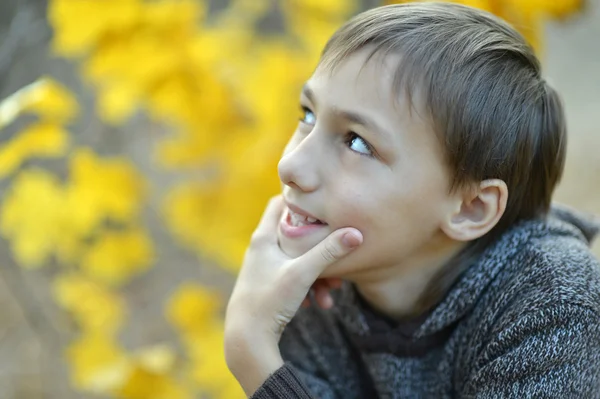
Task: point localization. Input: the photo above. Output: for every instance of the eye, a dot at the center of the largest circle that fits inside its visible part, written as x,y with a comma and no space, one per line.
358,144
308,116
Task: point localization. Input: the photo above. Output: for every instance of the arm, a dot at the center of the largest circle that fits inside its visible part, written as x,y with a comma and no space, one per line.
318,361
289,382
553,352
268,292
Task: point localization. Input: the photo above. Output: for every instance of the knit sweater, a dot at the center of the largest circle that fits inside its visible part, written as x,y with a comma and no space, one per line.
523,321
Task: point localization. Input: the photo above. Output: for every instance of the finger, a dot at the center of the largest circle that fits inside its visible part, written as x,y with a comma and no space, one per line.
320,283
323,298
268,223
334,283
333,248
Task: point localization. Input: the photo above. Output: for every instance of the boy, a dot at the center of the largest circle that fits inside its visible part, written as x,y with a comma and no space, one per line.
421,174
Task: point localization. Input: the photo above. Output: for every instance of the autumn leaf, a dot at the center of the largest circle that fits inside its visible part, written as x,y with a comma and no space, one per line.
31,216
45,140
98,363
79,24
159,358
94,307
142,383
527,16
152,375
102,188
117,102
191,307
208,369
46,98
116,256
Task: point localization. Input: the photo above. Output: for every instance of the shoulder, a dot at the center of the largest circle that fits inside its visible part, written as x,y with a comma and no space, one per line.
554,276
552,271
555,270
540,324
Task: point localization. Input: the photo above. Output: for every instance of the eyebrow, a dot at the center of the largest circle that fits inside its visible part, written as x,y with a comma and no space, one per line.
353,117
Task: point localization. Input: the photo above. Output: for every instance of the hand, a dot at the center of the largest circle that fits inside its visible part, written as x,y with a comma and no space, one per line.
269,291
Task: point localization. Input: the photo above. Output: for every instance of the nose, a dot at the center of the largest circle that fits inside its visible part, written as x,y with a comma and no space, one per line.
298,167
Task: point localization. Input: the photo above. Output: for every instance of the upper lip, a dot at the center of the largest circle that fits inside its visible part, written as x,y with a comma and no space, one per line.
301,211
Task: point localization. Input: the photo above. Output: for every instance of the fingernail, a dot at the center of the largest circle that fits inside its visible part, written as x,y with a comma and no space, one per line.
351,240
327,302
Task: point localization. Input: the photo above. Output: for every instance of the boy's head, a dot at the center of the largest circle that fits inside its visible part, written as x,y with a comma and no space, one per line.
426,126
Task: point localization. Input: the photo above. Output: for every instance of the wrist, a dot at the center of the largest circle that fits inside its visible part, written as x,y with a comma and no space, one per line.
252,359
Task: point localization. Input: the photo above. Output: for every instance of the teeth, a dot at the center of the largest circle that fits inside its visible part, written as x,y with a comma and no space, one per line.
300,220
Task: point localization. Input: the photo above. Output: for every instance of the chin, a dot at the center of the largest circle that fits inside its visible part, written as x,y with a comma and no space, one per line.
293,251
296,248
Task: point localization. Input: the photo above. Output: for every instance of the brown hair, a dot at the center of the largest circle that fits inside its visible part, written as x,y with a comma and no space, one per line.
481,85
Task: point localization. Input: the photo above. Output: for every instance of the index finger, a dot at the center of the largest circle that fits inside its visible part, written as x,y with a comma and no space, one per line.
268,222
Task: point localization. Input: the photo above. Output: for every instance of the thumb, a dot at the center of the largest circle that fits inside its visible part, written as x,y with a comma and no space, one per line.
334,247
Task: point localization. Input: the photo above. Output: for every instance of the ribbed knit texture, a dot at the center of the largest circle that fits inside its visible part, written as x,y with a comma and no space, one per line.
285,383
522,322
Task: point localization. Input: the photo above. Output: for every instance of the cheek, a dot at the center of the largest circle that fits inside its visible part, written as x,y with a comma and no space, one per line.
395,226
351,207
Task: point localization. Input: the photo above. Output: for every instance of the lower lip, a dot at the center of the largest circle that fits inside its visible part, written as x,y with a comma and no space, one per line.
290,231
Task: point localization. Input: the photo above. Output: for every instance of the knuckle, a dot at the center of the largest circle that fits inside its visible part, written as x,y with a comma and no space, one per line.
257,239
330,252
290,277
273,200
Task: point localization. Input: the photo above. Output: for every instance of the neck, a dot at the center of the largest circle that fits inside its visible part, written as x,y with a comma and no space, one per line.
396,291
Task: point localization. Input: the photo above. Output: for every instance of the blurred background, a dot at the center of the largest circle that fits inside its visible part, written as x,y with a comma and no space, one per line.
139,144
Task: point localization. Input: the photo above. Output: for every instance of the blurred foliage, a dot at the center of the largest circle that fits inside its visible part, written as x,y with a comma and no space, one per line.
227,89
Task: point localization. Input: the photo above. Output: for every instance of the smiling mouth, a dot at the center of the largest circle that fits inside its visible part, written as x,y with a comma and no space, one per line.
295,225
298,220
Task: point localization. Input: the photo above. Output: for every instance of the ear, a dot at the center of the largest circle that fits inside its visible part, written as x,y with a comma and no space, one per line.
478,210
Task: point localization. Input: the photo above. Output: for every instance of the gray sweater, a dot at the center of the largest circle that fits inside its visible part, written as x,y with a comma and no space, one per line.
521,322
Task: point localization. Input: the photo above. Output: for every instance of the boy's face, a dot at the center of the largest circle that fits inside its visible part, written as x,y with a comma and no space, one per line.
359,158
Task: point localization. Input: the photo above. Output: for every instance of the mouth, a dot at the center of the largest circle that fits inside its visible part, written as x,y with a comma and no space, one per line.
295,224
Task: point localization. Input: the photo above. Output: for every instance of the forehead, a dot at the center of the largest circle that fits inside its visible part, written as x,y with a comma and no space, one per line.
358,80
368,84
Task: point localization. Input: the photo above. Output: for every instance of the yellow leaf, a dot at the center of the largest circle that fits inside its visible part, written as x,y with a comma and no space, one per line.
313,22
45,97
562,8
555,9
98,364
102,188
208,369
94,307
151,377
31,216
338,8
158,359
243,14
37,140
192,307
180,15
117,102
213,221
199,102
137,59
482,4
79,24
180,152
145,384
117,256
